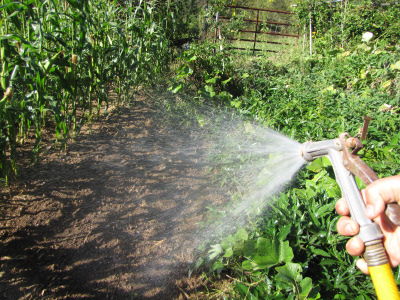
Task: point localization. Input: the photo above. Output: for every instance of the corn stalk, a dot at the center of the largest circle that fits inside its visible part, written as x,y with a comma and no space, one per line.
59,59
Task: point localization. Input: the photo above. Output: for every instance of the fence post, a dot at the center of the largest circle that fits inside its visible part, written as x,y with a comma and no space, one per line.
255,33
220,38
344,20
330,22
311,39
214,50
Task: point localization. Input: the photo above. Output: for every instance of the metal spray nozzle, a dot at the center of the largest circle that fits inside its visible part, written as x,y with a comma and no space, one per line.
312,150
342,152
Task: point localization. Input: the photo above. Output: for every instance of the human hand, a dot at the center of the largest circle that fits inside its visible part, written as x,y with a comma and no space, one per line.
376,196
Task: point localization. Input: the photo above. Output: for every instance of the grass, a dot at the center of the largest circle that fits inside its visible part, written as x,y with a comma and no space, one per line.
267,43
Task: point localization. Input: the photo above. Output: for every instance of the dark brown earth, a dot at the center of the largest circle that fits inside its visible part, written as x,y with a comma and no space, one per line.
110,217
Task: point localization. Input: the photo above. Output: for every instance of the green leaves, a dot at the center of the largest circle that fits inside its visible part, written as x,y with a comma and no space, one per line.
229,244
296,253
271,252
73,51
395,66
175,87
215,251
267,253
289,273
207,74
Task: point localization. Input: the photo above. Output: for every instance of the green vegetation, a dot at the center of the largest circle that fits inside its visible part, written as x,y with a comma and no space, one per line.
293,252
60,59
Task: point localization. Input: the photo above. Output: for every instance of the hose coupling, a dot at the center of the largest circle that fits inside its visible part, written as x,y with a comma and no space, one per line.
375,254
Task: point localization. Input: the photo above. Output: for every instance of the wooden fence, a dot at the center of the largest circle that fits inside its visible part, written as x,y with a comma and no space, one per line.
271,23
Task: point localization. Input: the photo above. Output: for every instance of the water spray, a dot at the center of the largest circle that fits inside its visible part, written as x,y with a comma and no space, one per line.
346,164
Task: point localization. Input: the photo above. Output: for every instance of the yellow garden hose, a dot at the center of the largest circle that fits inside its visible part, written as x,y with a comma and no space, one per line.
383,280
381,273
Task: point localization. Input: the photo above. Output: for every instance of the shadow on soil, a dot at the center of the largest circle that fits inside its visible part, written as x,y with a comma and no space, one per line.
110,218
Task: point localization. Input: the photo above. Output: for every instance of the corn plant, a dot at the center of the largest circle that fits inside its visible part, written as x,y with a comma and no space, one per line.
60,58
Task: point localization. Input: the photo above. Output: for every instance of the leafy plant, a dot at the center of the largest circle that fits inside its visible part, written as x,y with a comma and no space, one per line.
60,59
337,24
293,250
209,73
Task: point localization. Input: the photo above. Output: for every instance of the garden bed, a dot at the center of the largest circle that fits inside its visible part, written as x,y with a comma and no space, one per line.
98,220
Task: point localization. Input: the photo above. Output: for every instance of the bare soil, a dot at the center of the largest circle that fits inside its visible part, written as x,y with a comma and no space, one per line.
110,217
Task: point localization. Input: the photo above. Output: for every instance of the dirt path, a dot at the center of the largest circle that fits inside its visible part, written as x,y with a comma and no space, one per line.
110,217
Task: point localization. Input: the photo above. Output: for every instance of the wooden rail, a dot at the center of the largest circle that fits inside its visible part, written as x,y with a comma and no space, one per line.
255,50
255,21
261,9
258,21
270,33
258,41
